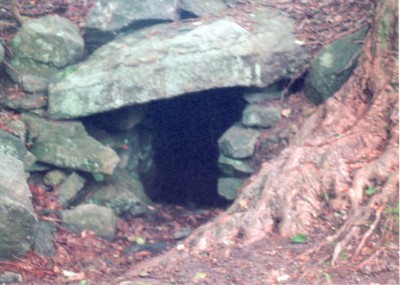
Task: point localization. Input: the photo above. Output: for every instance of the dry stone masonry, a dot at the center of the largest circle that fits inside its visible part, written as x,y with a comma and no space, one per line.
103,163
42,47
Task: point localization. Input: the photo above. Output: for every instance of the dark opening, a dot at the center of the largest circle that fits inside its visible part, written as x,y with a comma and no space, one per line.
186,151
185,15
297,85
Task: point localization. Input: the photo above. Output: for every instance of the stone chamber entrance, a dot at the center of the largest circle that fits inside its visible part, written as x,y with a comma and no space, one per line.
186,130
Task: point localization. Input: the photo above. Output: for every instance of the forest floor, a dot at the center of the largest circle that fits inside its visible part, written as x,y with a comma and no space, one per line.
141,241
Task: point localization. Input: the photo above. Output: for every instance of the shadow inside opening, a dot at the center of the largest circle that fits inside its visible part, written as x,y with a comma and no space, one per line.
187,130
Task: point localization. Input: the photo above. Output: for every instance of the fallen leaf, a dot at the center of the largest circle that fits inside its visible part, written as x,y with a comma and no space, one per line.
140,240
73,276
283,278
286,113
299,238
300,43
304,258
244,204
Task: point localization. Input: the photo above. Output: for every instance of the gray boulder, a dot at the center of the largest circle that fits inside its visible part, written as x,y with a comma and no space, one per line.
17,127
71,189
333,65
10,277
204,8
98,219
234,167
13,181
40,48
109,17
12,145
260,116
238,142
123,192
274,91
135,148
67,145
30,102
17,218
179,59
54,177
228,187
44,239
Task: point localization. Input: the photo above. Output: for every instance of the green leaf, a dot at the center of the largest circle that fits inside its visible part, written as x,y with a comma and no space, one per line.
327,277
200,275
371,190
388,211
343,256
326,197
396,210
299,238
140,240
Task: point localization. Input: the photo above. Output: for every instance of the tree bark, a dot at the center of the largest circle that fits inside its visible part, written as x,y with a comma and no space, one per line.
15,11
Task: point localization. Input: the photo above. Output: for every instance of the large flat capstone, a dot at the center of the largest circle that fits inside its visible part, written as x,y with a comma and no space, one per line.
168,60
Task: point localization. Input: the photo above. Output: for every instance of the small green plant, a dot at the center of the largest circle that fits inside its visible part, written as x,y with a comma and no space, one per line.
371,190
299,238
326,197
343,256
340,214
388,211
392,218
327,277
199,275
396,210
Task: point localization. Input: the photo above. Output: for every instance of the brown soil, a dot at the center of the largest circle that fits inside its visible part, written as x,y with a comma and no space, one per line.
135,255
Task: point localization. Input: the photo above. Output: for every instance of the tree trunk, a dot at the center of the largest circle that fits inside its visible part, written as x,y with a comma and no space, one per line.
349,144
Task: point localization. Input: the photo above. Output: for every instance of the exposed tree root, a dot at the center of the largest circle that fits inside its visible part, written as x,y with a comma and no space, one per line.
367,234
371,258
349,144
285,195
348,232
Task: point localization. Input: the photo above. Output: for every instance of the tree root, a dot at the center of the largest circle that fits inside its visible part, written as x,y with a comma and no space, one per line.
371,258
350,230
350,143
368,233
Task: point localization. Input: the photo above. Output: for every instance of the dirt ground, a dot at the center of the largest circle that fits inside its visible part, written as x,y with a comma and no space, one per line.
141,241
